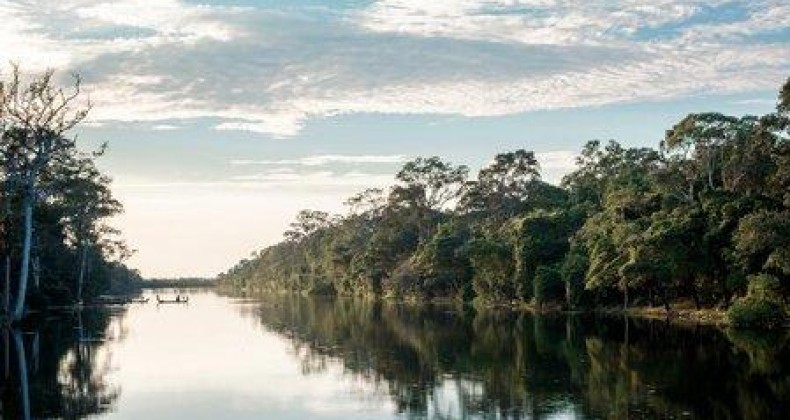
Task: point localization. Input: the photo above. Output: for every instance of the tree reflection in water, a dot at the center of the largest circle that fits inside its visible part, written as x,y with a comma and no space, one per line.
58,368
446,362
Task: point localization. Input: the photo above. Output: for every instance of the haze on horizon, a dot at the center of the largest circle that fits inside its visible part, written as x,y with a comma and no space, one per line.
225,118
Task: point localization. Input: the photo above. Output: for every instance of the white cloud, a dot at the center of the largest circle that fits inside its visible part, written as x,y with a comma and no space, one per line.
320,160
164,127
560,159
270,71
755,101
526,21
166,17
318,179
555,165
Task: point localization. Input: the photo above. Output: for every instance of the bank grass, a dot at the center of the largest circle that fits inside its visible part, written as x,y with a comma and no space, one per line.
706,316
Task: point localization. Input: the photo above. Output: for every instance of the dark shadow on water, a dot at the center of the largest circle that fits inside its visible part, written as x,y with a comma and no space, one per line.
445,362
56,367
438,362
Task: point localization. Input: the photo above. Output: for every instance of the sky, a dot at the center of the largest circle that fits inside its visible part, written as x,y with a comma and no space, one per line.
225,118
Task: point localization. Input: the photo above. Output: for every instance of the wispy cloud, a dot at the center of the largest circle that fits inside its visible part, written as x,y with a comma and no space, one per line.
269,70
319,178
555,165
559,160
164,127
755,101
320,160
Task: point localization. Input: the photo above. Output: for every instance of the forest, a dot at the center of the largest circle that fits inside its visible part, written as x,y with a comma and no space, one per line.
55,244
702,218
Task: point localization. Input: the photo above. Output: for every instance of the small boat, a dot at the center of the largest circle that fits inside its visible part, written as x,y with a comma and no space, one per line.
178,299
139,300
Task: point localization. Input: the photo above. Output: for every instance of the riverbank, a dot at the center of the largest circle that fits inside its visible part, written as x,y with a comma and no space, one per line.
708,316
679,315
680,312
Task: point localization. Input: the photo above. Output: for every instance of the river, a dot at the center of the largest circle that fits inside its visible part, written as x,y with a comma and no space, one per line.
294,357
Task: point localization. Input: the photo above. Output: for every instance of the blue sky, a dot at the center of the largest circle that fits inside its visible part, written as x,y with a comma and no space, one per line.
224,118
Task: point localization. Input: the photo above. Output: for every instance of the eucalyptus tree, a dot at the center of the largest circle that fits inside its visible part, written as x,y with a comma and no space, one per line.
720,150
307,222
427,186
368,203
437,182
504,187
36,114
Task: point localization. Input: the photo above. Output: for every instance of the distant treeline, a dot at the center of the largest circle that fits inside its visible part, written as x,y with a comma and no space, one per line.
55,244
178,283
705,217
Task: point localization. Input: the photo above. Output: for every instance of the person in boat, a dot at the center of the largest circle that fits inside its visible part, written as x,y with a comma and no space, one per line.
178,298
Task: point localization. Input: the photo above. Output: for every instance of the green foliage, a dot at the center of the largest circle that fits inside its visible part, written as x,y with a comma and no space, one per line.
541,238
548,285
761,307
756,312
55,242
573,271
444,264
505,187
762,241
784,97
493,269
764,286
692,220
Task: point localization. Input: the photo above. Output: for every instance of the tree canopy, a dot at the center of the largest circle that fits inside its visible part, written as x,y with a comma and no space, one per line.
55,202
698,218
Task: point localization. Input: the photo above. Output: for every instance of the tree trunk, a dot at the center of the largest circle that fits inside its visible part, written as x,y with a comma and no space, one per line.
24,270
7,354
695,297
81,277
36,266
727,296
7,290
24,392
625,298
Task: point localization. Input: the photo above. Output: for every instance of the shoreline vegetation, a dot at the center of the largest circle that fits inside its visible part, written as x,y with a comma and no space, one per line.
703,219
177,283
56,247
682,313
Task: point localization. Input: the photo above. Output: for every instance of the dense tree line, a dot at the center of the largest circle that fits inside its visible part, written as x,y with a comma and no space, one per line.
55,245
177,283
705,217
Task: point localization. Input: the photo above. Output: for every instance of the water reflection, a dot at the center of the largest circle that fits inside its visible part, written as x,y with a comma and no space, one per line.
57,368
442,362
296,357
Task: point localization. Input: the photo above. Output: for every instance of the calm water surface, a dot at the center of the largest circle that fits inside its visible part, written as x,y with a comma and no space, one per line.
320,358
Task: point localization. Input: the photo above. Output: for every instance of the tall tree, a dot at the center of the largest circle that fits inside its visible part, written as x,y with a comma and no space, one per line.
84,196
434,181
503,188
36,114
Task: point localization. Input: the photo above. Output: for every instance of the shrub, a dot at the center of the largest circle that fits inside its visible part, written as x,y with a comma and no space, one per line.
761,307
756,312
764,286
